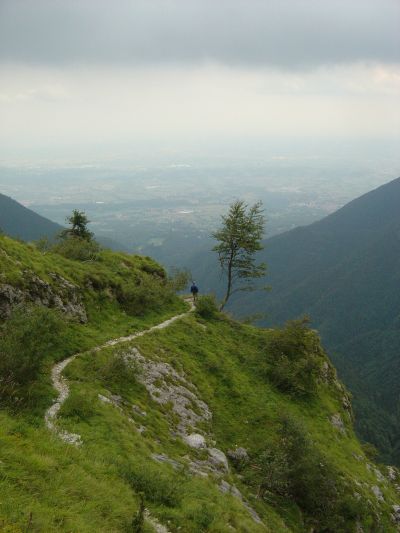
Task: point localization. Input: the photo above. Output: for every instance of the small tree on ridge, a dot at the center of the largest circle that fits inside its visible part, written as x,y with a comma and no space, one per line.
239,238
78,221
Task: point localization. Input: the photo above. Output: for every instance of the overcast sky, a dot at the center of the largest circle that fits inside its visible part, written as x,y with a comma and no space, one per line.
80,75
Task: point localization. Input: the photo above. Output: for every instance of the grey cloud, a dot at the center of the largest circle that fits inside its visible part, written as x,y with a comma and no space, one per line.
281,33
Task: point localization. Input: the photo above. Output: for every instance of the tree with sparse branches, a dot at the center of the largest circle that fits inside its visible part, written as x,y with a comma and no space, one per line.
239,239
78,222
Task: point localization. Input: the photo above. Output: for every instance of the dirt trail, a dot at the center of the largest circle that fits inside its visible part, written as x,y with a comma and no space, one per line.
61,384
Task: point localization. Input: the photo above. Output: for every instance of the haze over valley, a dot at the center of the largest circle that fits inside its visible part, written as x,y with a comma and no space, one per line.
167,208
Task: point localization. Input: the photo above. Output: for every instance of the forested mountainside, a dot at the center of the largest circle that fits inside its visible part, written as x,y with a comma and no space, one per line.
344,272
169,418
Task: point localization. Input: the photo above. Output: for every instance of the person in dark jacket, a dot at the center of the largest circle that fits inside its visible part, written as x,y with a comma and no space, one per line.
194,290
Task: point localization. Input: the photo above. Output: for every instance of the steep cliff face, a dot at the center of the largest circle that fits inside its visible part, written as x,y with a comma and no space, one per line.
216,425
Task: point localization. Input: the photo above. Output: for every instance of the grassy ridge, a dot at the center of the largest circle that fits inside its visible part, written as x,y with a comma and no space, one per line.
46,485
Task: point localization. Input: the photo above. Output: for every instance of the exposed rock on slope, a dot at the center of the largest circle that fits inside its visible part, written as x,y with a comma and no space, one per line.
167,387
61,295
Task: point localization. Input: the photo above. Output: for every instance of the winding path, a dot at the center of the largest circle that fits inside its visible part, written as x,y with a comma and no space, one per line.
61,384
62,387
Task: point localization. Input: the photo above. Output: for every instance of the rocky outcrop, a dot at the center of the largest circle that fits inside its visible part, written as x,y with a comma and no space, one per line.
195,440
238,456
227,488
61,294
167,387
337,422
378,493
396,514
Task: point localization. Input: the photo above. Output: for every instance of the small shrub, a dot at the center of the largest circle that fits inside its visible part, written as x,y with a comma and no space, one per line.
78,249
27,338
178,279
44,245
116,371
150,293
96,281
158,487
203,516
370,451
295,355
293,467
206,306
78,406
151,267
273,465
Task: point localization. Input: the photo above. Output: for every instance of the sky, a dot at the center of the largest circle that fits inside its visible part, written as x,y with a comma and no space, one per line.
97,78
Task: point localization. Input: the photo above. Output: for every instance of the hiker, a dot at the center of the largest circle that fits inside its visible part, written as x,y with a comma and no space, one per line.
194,290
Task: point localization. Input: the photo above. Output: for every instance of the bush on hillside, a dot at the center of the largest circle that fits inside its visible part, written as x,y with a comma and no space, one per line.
370,451
117,372
77,248
44,245
294,356
293,467
150,293
78,406
26,339
178,279
159,487
206,306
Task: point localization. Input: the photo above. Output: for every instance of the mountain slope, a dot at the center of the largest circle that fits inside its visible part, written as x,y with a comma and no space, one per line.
20,222
344,272
158,414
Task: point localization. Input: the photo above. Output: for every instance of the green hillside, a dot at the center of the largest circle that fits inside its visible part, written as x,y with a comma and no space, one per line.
344,272
217,426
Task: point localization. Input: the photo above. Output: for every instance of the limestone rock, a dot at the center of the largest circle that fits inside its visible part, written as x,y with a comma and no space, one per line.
139,411
379,476
238,455
392,473
378,493
326,372
167,386
346,402
162,458
226,488
61,295
337,422
396,513
195,440
218,458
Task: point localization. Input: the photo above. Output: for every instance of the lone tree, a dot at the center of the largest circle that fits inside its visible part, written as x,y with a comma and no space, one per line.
239,239
78,221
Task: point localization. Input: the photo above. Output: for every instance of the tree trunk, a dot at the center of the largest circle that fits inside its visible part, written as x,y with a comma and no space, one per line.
229,286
